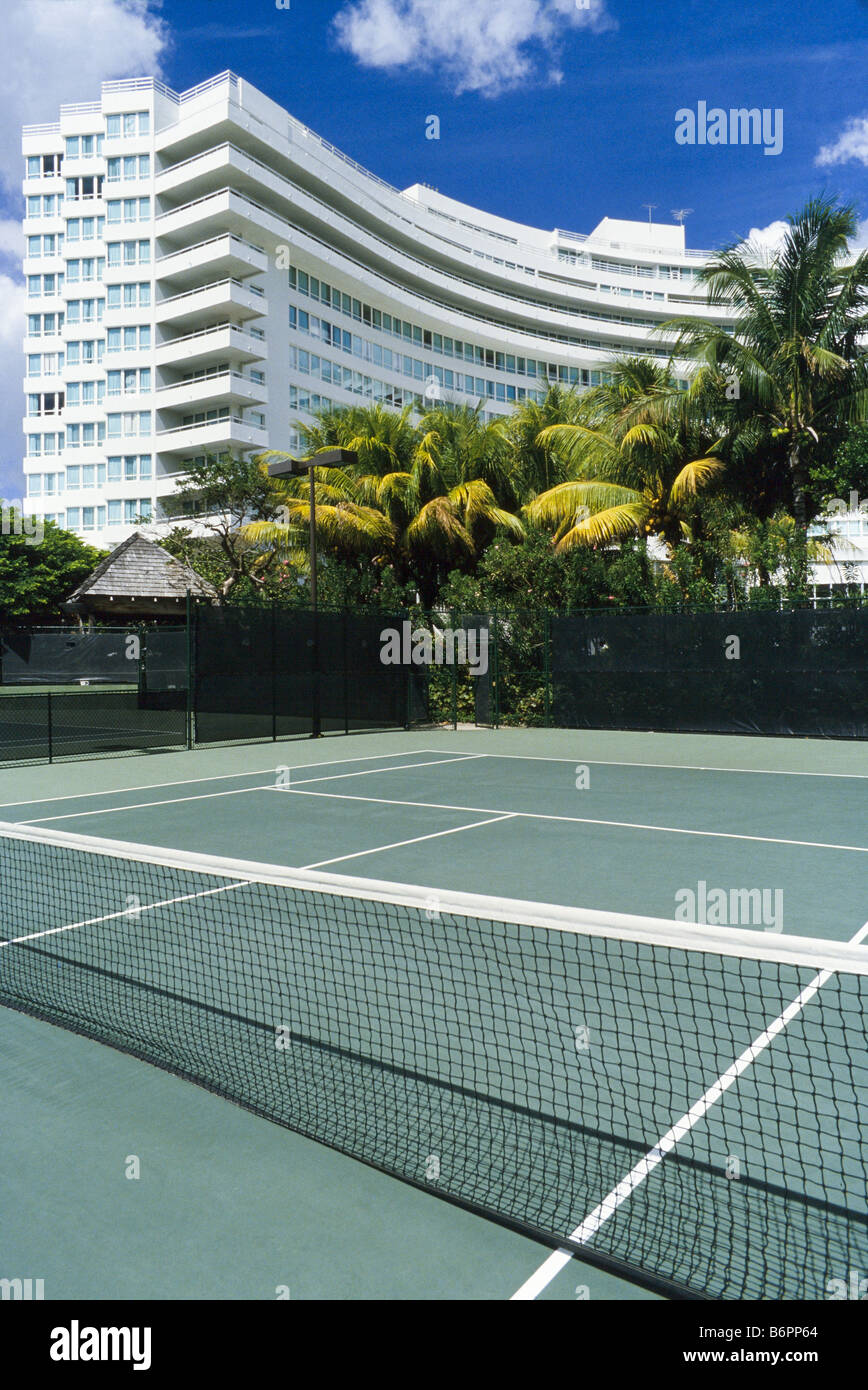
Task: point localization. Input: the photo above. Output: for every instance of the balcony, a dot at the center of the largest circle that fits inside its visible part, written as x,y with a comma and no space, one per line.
213,436
214,389
223,299
221,257
222,342
224,211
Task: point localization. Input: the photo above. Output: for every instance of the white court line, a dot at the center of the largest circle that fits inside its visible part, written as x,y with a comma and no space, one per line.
125,912
592,1223
676,767
455,830
372,771
235,791
219,777
139,805
579,820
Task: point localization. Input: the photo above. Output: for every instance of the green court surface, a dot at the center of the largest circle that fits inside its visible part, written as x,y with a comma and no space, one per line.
229,1205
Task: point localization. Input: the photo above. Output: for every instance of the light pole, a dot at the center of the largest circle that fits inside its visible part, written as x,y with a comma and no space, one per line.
296,468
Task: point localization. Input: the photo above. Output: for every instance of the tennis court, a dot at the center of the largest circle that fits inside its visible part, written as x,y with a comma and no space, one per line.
681,1101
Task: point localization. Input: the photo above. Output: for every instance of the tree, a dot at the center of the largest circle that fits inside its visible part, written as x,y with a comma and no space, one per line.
226,493
38,572
797,354
422,500
637,457
539,466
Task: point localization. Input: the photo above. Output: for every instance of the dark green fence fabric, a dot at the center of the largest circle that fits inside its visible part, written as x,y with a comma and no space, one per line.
65,656
803,672
247,674
267,673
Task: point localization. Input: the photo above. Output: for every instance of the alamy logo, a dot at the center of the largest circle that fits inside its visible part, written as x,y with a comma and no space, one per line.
855,1287
446,647
77,1343
740,907
737,126
26,1289
13,522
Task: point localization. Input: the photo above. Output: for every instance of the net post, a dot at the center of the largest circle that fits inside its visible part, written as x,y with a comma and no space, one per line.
495,670
189,712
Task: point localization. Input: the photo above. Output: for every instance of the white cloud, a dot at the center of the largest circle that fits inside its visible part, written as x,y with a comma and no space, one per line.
852,143
860,240
59,51
768,239
486,46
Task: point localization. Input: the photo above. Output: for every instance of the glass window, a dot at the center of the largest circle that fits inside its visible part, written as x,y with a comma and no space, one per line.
87,518
73,518
73,473
144,122
145,508
113,210
114,513
130,468
112,126
88,475
145,466
129,511
114,469
113,170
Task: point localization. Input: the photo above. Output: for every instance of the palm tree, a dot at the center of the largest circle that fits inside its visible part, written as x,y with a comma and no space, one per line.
537,467
798,350
638,457
424,500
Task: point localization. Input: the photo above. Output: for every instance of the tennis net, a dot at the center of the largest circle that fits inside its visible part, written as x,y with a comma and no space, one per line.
684,1106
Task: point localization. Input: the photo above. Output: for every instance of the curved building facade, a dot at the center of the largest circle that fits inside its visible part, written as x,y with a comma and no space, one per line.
203,272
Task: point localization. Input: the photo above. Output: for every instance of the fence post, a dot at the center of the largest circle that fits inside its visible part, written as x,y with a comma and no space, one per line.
495,646
273,633
454,680
189,719
345,678
547,634
50,731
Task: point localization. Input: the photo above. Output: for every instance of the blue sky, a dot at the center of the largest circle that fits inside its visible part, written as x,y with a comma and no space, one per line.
551,112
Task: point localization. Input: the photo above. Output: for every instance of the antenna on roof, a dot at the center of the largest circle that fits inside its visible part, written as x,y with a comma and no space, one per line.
680,213
650,207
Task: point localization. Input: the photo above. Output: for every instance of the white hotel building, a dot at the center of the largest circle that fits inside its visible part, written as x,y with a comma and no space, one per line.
202,271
